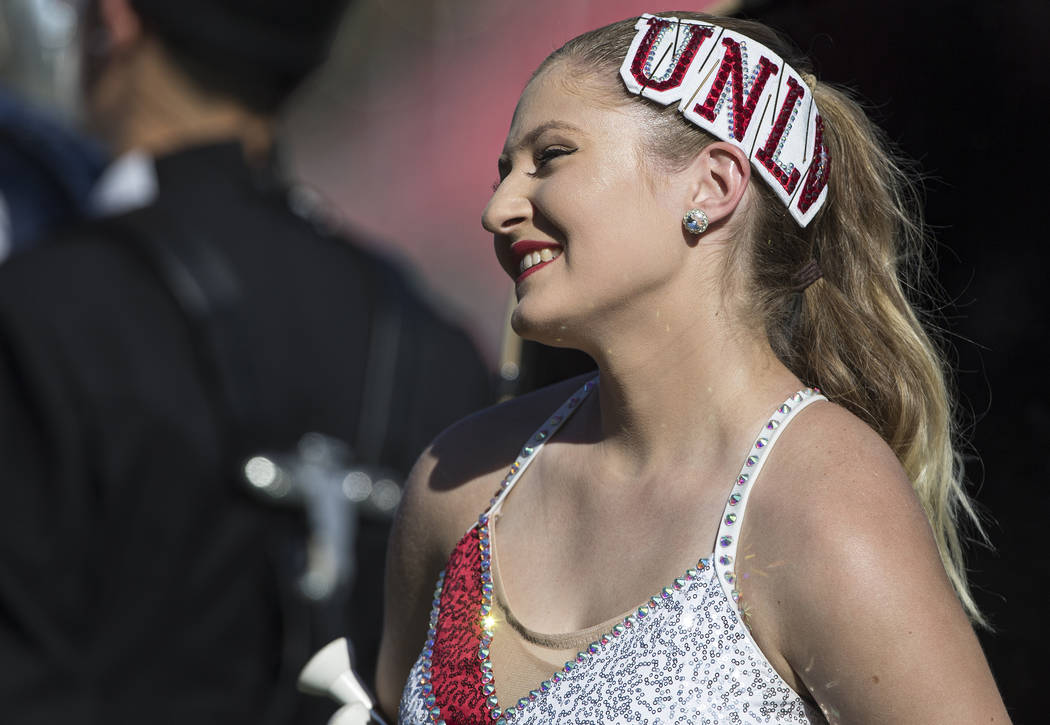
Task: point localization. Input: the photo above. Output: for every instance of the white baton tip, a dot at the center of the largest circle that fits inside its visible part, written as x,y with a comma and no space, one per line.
328,673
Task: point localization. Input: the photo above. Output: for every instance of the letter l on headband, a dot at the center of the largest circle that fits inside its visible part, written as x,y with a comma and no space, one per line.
739,91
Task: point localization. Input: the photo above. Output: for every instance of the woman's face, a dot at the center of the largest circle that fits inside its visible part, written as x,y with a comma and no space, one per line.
588,231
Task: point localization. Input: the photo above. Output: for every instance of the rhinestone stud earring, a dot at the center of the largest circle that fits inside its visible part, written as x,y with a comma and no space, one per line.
695,221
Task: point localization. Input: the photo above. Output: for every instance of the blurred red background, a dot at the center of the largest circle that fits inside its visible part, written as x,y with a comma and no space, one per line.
402,130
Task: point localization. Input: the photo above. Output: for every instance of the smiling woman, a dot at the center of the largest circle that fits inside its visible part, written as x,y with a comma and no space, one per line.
673,202
573,180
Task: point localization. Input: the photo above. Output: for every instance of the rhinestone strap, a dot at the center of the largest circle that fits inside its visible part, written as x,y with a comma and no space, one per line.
468,650
732,516
536,442
476,544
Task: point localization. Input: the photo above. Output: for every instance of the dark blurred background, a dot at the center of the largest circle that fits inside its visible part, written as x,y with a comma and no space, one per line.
961,87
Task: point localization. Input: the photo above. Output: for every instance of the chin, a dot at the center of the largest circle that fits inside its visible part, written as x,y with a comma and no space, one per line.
544,330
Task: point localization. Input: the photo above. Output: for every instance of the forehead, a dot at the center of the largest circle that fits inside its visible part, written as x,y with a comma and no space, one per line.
557,99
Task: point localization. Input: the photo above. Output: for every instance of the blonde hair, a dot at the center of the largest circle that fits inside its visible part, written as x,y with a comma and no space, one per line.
854,333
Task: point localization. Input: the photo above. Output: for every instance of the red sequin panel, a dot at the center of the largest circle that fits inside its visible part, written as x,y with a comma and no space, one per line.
456,667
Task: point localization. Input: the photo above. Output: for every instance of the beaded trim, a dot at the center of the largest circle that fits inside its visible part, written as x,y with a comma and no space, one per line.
426,681
726,542
630,622
528,454
533,446
699,65
488,688
727,539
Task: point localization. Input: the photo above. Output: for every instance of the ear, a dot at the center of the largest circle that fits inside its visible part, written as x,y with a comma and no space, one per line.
718,176
121,23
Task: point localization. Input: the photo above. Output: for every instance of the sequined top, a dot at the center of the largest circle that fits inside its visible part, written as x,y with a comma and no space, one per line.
683,656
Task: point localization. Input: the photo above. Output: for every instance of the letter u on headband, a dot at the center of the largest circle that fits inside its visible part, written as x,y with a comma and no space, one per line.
739,91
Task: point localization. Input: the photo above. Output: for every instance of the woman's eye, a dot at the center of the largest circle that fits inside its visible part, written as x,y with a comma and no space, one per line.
550,153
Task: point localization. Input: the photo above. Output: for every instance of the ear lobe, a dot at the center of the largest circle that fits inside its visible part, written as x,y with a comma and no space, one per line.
721,173
122,24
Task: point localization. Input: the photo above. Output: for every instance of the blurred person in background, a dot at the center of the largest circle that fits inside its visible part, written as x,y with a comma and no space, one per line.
148,575
48,167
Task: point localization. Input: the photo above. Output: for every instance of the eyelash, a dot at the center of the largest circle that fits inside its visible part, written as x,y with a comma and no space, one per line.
550,153
543,158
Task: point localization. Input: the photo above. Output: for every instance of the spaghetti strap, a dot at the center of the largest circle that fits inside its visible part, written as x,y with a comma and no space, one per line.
453,679
732,517
536,442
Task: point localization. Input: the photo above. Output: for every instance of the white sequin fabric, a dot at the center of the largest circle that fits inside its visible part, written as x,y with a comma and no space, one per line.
689,659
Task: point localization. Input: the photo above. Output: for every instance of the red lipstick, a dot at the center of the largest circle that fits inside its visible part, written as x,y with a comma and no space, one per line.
527,246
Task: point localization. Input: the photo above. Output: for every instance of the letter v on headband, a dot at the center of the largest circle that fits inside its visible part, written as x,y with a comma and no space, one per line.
740,91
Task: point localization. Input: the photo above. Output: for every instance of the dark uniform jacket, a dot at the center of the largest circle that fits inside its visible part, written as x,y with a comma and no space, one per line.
138,581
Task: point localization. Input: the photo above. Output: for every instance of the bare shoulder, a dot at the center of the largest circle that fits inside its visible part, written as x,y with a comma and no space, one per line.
449,486
846,583
832,486
831,471
832,509
454,478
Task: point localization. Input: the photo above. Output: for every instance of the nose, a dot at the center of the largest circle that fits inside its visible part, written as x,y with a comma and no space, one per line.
507,209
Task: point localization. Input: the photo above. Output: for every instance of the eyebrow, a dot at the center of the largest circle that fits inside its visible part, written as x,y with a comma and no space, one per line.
530,138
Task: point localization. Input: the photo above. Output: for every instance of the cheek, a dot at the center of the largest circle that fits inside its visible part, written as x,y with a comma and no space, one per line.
591,204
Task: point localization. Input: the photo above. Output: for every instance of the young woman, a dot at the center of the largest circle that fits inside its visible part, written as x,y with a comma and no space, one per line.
695,535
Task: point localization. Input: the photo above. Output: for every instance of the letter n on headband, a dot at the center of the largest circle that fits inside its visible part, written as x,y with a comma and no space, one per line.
739,91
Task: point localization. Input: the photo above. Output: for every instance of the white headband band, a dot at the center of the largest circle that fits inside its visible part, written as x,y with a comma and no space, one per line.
704,68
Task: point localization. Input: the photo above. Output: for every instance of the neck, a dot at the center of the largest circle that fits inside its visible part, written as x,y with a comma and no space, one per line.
684,389
159,110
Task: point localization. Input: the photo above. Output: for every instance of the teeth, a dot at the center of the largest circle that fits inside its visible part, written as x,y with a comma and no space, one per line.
533,258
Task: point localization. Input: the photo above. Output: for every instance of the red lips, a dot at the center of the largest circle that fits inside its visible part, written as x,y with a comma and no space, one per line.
526,246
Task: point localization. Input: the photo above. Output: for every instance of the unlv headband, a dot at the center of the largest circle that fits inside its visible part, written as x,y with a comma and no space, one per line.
698,65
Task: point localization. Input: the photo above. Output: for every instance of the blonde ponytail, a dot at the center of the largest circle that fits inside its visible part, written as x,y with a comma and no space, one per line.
854,332
857,334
